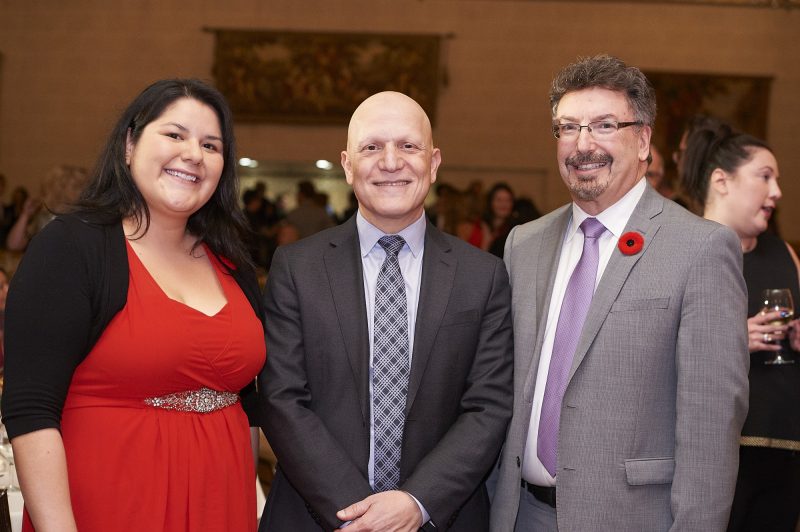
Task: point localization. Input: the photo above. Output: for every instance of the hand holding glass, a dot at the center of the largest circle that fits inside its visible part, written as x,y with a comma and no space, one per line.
780,300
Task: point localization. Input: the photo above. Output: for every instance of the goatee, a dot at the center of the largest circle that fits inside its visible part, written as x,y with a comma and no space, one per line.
588,188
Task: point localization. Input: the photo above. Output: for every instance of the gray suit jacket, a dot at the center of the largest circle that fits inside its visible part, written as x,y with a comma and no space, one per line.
315,385
657,395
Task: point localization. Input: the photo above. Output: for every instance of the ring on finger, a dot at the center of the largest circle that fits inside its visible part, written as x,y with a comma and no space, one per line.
767,338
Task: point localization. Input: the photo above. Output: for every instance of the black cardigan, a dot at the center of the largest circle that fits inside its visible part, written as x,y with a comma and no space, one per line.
72,280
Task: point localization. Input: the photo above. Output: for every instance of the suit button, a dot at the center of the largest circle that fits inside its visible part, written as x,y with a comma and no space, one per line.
517,461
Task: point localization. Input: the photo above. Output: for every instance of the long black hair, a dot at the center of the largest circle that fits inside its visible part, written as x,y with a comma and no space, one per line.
112,195
712,145
488,213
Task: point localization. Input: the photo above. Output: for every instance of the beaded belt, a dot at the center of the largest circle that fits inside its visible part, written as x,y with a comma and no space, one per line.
202,401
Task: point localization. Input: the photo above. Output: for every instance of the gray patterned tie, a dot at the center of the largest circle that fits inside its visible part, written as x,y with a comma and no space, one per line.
574,308
390,366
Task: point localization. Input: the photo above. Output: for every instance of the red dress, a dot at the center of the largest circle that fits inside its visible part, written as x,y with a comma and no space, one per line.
134,467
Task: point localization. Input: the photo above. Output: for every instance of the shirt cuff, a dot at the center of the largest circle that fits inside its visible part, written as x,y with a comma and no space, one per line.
425,515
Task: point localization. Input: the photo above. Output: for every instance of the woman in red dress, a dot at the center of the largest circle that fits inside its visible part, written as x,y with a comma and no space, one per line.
134,333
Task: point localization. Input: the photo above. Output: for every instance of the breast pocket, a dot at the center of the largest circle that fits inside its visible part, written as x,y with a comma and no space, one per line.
638,305
466,317
644,471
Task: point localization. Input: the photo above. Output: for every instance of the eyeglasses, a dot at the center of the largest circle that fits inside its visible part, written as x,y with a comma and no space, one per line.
599,129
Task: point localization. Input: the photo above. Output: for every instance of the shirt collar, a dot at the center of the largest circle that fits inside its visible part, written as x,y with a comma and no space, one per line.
614,218
368,235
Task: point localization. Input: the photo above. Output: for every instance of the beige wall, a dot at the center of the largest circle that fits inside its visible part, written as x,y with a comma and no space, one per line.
68,67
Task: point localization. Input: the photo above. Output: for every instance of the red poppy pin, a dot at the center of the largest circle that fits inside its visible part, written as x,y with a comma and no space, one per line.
630,243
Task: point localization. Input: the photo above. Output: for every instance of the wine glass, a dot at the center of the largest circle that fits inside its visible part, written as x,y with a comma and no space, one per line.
780,300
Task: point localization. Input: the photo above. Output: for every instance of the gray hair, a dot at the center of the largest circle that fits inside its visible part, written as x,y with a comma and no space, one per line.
610,73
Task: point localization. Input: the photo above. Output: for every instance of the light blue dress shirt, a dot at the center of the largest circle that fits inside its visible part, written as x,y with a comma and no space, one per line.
410,259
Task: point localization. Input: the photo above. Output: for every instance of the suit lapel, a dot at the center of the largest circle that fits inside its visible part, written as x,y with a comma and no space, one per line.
343,265
644,221
438,272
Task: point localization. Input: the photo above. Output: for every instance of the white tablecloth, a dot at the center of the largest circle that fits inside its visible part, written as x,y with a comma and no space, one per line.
15,509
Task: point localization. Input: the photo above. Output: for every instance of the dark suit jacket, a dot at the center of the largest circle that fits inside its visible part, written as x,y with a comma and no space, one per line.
315,385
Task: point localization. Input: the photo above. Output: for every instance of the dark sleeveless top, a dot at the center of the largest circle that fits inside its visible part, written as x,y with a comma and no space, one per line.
774,416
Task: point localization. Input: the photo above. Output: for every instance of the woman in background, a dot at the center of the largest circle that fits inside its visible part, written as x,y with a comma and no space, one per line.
499,216
134,333
462,221
733,177
61,187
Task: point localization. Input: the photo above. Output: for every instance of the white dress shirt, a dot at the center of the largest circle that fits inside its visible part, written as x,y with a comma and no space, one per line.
614,218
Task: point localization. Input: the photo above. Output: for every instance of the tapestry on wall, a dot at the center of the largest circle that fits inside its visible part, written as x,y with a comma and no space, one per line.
320,78
771,4
742,101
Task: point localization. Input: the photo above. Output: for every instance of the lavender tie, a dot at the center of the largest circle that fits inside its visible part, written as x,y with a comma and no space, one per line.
577,298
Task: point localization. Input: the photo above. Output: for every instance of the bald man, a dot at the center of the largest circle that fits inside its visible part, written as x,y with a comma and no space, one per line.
387,388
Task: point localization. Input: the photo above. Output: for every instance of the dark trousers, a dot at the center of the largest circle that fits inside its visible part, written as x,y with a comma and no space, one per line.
767,495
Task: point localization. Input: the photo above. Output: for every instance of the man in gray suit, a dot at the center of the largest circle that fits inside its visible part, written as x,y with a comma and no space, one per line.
387,388
630,373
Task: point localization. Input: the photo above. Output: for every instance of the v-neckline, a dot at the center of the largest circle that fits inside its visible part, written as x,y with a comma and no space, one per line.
152,279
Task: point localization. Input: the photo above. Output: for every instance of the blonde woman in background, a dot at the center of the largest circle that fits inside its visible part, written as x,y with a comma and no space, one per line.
61,187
